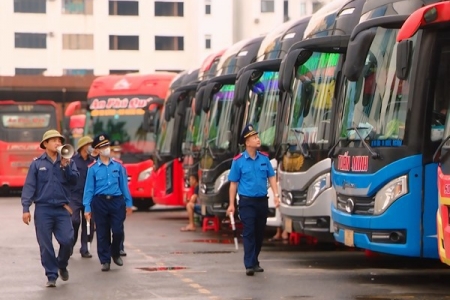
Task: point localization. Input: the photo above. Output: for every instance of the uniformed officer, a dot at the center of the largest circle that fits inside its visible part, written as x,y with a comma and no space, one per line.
116,153
248,176
48,184
82,160
106,191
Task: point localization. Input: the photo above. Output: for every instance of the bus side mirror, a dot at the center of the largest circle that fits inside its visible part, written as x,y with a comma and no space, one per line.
199,100
151,119
404,52
167,109
287,70
357,50
241,87
207,95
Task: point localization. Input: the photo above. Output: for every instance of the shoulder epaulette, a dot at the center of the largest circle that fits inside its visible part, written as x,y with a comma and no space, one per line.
264,153
237,156
35,158
92,163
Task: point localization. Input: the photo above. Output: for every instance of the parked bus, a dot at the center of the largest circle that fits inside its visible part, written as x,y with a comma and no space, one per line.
263,111
432,23
389,128
219,146
22,126
191,145
167,177
310,73
115,106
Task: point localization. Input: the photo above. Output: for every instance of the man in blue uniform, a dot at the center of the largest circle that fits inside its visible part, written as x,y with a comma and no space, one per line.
48,184
248,177
106,191
82,160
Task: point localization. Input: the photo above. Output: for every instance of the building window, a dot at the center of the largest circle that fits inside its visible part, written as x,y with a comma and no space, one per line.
302,9
30,40
81,7
123,8
207,42
207,7
286,10
78,72
123,42
267,6
316,6
121,72
27,6
30,71
167,70
169,43
78,41
169,9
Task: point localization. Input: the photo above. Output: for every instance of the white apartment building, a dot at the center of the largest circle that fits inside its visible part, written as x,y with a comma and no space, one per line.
76,37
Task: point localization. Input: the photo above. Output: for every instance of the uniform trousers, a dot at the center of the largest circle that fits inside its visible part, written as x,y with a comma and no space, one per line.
253,215
109,215
51,220
78,219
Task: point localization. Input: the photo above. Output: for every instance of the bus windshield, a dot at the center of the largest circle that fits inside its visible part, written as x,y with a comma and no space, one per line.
165,134
122,121
310,112
375,106
263,107
220,118
18,125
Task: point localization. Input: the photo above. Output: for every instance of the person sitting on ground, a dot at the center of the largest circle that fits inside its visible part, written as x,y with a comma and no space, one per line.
191,206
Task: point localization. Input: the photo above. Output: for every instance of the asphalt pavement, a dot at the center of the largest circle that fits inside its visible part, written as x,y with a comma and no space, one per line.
164,263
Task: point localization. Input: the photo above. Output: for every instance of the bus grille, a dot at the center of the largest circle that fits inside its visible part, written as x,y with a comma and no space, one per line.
356,205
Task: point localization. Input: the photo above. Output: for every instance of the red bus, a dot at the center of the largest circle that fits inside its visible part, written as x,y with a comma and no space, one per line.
167,175
21,129
116,105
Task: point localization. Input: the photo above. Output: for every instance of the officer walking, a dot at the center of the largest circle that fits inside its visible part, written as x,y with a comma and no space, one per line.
248,176
82,160
106,191
48,184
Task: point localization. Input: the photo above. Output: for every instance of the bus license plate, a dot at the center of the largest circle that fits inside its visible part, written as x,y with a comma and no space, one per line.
349,238
288,225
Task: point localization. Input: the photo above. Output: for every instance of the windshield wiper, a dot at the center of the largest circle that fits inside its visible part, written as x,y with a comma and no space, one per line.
299,144
375,155
331,152
208,147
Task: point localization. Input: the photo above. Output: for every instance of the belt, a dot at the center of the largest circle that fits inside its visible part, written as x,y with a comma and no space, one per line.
262,198
108,197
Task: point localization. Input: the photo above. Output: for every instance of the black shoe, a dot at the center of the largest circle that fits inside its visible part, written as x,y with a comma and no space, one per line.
257,268
105,267
51,283
64,274
249,272
123,253
118,261
86,255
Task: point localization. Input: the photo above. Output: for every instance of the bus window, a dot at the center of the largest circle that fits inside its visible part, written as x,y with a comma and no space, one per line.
441,95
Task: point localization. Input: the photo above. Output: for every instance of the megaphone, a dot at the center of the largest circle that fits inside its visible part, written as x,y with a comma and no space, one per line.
66,151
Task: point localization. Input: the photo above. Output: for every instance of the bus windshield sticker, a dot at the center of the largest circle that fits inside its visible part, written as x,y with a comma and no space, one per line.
119,103
24,120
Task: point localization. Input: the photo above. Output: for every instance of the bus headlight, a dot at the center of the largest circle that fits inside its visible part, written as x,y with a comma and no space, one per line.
317,187
145,174
221,181
389,193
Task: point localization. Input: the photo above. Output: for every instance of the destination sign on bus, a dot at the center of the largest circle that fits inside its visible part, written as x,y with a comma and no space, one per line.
26,120
353,163
120,103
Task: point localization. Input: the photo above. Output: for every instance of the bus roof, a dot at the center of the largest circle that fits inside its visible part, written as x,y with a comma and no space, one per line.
37,102
155,84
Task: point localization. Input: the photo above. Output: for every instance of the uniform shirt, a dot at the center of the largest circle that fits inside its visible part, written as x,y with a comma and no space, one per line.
104,179
47,183
251,174
82,166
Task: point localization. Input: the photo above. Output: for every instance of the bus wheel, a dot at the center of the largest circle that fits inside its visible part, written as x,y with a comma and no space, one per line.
143,204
